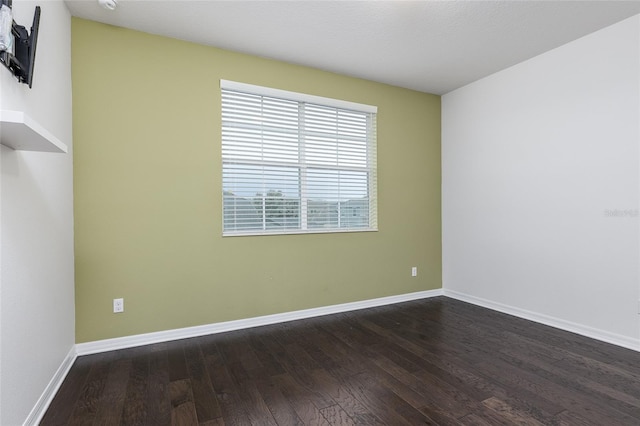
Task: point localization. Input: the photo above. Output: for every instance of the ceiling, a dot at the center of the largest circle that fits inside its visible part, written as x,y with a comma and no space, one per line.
430,46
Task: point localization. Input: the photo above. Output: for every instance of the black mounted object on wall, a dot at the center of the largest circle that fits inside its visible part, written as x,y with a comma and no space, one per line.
22,60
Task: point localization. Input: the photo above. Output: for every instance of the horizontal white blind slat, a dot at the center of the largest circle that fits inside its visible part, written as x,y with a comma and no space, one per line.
234,86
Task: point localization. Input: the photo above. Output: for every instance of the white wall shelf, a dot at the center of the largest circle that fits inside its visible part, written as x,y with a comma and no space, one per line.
20,132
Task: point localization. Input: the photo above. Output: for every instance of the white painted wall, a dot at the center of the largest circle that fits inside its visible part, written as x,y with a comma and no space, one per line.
36,216
534,158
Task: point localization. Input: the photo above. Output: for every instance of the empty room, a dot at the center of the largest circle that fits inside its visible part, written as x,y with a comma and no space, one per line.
319,212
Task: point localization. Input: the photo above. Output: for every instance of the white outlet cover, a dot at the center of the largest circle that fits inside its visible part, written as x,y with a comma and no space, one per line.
118,305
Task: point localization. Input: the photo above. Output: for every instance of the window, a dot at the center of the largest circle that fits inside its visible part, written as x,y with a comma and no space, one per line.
294,163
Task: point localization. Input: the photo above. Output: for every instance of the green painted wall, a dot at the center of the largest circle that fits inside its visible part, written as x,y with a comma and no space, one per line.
148,197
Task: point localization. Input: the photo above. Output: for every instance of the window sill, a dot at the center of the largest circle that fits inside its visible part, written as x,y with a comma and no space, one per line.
297,232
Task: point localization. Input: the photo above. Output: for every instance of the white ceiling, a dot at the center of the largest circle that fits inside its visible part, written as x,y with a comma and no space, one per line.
430,46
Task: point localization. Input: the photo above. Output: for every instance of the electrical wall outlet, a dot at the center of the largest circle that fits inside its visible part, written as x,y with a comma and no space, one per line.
414,271
118,305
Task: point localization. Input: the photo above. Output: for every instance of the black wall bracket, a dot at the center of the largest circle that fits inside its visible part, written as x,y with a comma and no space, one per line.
21,61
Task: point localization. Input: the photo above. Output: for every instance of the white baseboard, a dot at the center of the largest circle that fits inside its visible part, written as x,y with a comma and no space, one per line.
594,333
221,327
38,410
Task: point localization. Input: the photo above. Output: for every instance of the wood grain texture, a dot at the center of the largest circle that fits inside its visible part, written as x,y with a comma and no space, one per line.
431,362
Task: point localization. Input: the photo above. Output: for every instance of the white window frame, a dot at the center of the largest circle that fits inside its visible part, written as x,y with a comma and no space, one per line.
371,160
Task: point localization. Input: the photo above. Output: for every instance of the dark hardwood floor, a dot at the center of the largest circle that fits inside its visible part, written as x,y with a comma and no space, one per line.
433,361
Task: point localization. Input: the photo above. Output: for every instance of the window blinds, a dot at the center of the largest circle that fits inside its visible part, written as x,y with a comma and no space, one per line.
294,163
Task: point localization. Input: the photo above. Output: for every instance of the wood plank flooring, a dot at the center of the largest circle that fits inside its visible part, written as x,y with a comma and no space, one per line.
429,362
